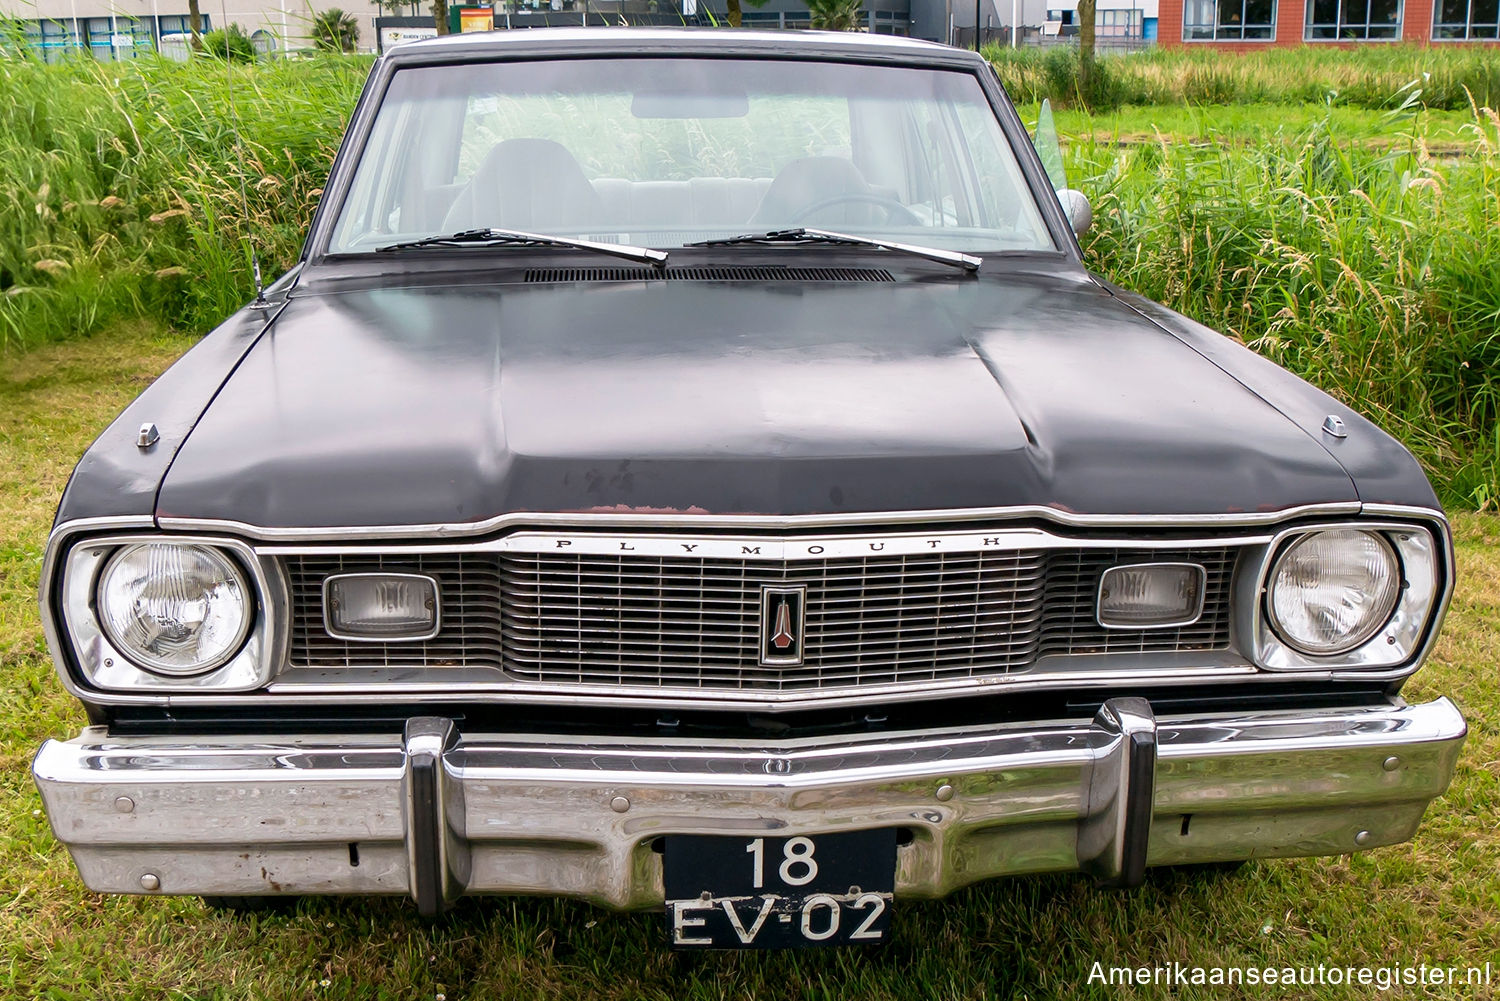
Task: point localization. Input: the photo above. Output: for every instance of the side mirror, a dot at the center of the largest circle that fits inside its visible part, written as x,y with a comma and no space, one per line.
1076,207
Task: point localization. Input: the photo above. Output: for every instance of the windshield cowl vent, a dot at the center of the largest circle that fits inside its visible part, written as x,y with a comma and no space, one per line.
536,276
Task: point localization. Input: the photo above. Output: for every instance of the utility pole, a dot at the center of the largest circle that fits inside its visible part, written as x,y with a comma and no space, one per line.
976,24
1015,21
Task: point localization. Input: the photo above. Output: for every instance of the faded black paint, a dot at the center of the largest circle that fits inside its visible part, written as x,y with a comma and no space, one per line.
457,403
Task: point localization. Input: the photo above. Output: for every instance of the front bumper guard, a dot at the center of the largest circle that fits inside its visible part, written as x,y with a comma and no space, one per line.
437,815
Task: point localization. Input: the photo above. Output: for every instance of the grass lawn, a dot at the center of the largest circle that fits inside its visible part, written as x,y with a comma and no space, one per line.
1436,899
1443,132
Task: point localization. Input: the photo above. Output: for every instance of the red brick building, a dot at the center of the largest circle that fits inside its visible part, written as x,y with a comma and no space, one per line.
1245,25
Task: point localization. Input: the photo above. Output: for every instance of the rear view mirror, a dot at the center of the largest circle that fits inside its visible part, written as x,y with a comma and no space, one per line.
1076,207
728,104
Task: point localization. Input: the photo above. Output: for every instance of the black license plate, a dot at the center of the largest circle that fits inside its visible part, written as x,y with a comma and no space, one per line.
779,893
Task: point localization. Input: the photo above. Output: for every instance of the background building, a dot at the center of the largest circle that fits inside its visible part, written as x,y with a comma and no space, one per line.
123,29
1249,24
1117,23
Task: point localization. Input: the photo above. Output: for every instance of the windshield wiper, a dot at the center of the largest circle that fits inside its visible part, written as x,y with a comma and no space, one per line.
802,235
489,237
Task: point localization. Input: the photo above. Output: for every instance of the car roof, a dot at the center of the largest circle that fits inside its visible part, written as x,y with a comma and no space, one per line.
839,45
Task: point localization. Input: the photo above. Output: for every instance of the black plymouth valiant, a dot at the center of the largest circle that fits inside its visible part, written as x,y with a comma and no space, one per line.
696,471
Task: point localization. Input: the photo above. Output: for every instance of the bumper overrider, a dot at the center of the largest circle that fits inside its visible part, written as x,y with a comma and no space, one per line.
436,814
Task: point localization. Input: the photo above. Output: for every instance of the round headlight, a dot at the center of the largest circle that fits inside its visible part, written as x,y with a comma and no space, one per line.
174,609
1332,591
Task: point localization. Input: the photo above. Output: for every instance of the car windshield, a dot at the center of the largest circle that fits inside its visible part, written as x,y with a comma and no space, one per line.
664,152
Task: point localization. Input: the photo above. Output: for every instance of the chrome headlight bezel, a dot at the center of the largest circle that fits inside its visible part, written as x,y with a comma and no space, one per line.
1402,636
104,665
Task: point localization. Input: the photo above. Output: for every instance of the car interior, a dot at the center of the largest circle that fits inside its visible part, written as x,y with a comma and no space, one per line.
677,169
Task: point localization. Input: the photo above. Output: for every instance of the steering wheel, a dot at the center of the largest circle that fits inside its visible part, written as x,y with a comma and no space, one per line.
895,212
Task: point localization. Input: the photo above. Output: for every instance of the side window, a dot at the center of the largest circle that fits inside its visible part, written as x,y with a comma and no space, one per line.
1001,192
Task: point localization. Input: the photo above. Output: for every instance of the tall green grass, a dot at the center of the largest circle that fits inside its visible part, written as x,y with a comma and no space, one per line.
1374,273
122,185
1379,76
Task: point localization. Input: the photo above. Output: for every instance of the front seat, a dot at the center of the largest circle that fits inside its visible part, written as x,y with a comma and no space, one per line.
527,184
811,181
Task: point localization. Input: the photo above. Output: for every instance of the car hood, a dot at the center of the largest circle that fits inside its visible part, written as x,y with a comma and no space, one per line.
456,404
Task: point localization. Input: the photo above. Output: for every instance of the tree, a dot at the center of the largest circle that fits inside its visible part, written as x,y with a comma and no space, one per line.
230,42
398,8
335,31
440,16
735,13
1086,15
838,15
195,24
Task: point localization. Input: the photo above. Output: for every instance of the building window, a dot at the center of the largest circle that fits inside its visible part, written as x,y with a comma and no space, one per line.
115,38
1352,20
1466,19
1229,20
179,24
1118,23
54,38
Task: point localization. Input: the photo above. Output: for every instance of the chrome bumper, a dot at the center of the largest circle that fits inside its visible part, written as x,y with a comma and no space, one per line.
433,815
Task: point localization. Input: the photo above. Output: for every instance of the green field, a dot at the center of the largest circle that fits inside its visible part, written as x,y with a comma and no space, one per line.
1435,900
1313,203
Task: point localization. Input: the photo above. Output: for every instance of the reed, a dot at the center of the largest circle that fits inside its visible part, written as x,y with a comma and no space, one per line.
1372,269
1379,76
125,185
1372,272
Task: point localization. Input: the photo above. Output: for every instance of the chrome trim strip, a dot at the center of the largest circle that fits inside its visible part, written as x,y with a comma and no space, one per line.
1404,511
775,548
576,816
687,520
438,692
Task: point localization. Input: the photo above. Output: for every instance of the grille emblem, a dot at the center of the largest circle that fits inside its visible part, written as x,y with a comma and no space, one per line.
782,614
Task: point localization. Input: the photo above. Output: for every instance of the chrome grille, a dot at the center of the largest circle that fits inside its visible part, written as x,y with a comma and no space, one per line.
694,623
683,622
469,588
1070,627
